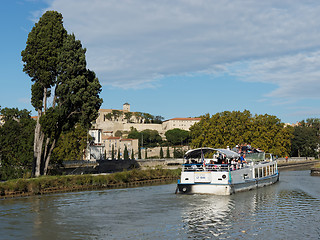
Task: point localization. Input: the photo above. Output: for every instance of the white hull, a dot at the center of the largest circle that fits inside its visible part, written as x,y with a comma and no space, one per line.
226,181
226,189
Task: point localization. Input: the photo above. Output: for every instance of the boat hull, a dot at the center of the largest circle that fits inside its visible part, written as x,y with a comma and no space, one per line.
226,189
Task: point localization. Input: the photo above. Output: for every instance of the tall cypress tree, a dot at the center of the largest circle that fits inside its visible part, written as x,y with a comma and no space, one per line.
132,155
161,153
125,153
139,153
168,153
112,152
56,64
119,154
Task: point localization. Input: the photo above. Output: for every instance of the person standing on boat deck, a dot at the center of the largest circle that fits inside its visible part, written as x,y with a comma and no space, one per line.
242,160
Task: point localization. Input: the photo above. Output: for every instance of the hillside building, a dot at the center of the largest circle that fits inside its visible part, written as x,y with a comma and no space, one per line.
110,122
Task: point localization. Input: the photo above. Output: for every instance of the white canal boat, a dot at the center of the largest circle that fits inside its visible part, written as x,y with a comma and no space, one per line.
225,173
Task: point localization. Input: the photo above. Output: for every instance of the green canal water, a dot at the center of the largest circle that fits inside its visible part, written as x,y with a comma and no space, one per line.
286,210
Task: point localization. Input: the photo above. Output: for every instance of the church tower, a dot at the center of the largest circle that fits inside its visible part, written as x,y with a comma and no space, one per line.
126,107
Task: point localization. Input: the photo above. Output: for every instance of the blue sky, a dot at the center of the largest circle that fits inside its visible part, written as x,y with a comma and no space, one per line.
182,58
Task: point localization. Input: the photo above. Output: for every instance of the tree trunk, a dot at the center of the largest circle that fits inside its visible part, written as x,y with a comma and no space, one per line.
47,158
38,140
37,147
46,146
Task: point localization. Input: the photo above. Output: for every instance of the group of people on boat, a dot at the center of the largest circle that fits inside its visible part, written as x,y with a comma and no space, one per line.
244,149
221,161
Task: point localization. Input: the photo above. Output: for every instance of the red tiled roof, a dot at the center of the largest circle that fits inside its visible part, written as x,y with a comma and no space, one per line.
113,138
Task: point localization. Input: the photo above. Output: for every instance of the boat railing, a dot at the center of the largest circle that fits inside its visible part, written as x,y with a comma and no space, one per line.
193,167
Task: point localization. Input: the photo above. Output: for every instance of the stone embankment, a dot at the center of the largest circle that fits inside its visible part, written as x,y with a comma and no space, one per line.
296,163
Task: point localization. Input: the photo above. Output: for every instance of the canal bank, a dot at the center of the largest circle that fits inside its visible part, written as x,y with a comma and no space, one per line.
71,183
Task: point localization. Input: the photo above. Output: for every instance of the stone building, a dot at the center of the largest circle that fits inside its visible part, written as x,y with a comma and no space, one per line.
111,121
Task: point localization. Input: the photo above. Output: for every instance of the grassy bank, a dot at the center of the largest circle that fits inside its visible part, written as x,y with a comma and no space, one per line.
50,184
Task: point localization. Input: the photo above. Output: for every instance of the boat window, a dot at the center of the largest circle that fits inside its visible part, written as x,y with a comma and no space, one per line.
267,171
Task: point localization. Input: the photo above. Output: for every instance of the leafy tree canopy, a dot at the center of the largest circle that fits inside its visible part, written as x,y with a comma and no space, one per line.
16,143
306,139
71,145
177,136
232,128
147,138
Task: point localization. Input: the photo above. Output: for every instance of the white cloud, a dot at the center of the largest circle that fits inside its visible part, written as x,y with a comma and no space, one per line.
297,76
131,44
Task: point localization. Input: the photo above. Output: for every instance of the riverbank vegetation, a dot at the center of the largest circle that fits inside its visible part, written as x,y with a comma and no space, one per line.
50,184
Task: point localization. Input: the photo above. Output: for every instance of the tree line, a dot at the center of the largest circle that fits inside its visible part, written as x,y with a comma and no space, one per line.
140,117
152,138
219,130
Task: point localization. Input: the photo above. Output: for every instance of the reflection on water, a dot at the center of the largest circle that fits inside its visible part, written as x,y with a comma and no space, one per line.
286,210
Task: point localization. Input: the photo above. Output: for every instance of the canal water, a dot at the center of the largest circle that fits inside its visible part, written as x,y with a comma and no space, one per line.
286,210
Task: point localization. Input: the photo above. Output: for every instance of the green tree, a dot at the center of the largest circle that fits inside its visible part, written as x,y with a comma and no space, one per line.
118,133
177,136
119,154
306,140
116,114
151,138
177,153
108,116
168,153
174,152
232,128
16,143
125,153
138,116
127,116
147,138
132,154
158,119
134,133
112,152
71,145
139,153
161,153
56,63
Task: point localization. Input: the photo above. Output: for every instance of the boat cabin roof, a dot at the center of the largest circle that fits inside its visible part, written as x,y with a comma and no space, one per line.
196,153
